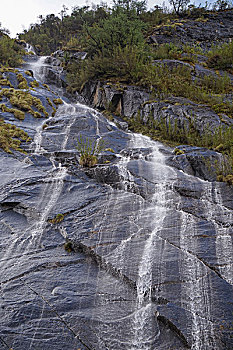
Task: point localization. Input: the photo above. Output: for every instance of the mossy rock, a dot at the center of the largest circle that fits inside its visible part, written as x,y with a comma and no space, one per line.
34,84
5,82
29,73
22,82
178,151
47,87
57,101
24,101
11,137
17,113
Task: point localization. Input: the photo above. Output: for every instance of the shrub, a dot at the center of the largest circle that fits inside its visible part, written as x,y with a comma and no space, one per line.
89,150
221,57
57,101
57,219
10,53
69,247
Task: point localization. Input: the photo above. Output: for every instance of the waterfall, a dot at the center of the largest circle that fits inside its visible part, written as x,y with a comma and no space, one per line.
223,242
145,326
196,283
29,48
139,280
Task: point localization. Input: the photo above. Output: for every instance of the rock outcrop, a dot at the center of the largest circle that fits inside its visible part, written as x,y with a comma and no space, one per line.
210,29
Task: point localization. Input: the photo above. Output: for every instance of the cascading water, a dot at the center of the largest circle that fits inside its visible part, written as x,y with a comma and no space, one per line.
223,242
56,177
30,49
149,287
195,285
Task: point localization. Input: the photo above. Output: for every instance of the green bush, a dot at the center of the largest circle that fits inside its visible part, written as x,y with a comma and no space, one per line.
10,53
89,150
221,57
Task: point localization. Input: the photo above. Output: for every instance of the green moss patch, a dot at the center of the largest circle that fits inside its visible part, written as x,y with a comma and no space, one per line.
57,219
57,101
17,113
34,84
24,101
11,137
22,82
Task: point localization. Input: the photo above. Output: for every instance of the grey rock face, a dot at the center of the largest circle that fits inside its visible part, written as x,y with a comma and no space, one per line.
215,28
151,266
132,102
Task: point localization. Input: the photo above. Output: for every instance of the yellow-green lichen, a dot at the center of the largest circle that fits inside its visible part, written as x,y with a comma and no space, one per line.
49,101
34,84
28,72
57,219
6,82
22,82
24,101
11,137
17,113
57,101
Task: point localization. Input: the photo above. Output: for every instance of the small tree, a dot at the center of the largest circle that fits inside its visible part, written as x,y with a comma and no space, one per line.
179,5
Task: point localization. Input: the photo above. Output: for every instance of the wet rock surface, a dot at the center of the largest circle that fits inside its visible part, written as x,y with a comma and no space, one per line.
151,259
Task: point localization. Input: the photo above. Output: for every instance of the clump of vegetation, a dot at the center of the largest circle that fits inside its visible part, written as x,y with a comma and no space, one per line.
28,72
178,81
221,57
49,101
224,169
57,219
17,113
69,247
46,86
89,150
11,137
22,82
5,81
178,151
10,52
57,101
34,84
24,101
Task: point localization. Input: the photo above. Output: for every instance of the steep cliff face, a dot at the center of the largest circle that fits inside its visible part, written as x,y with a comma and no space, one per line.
150,261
